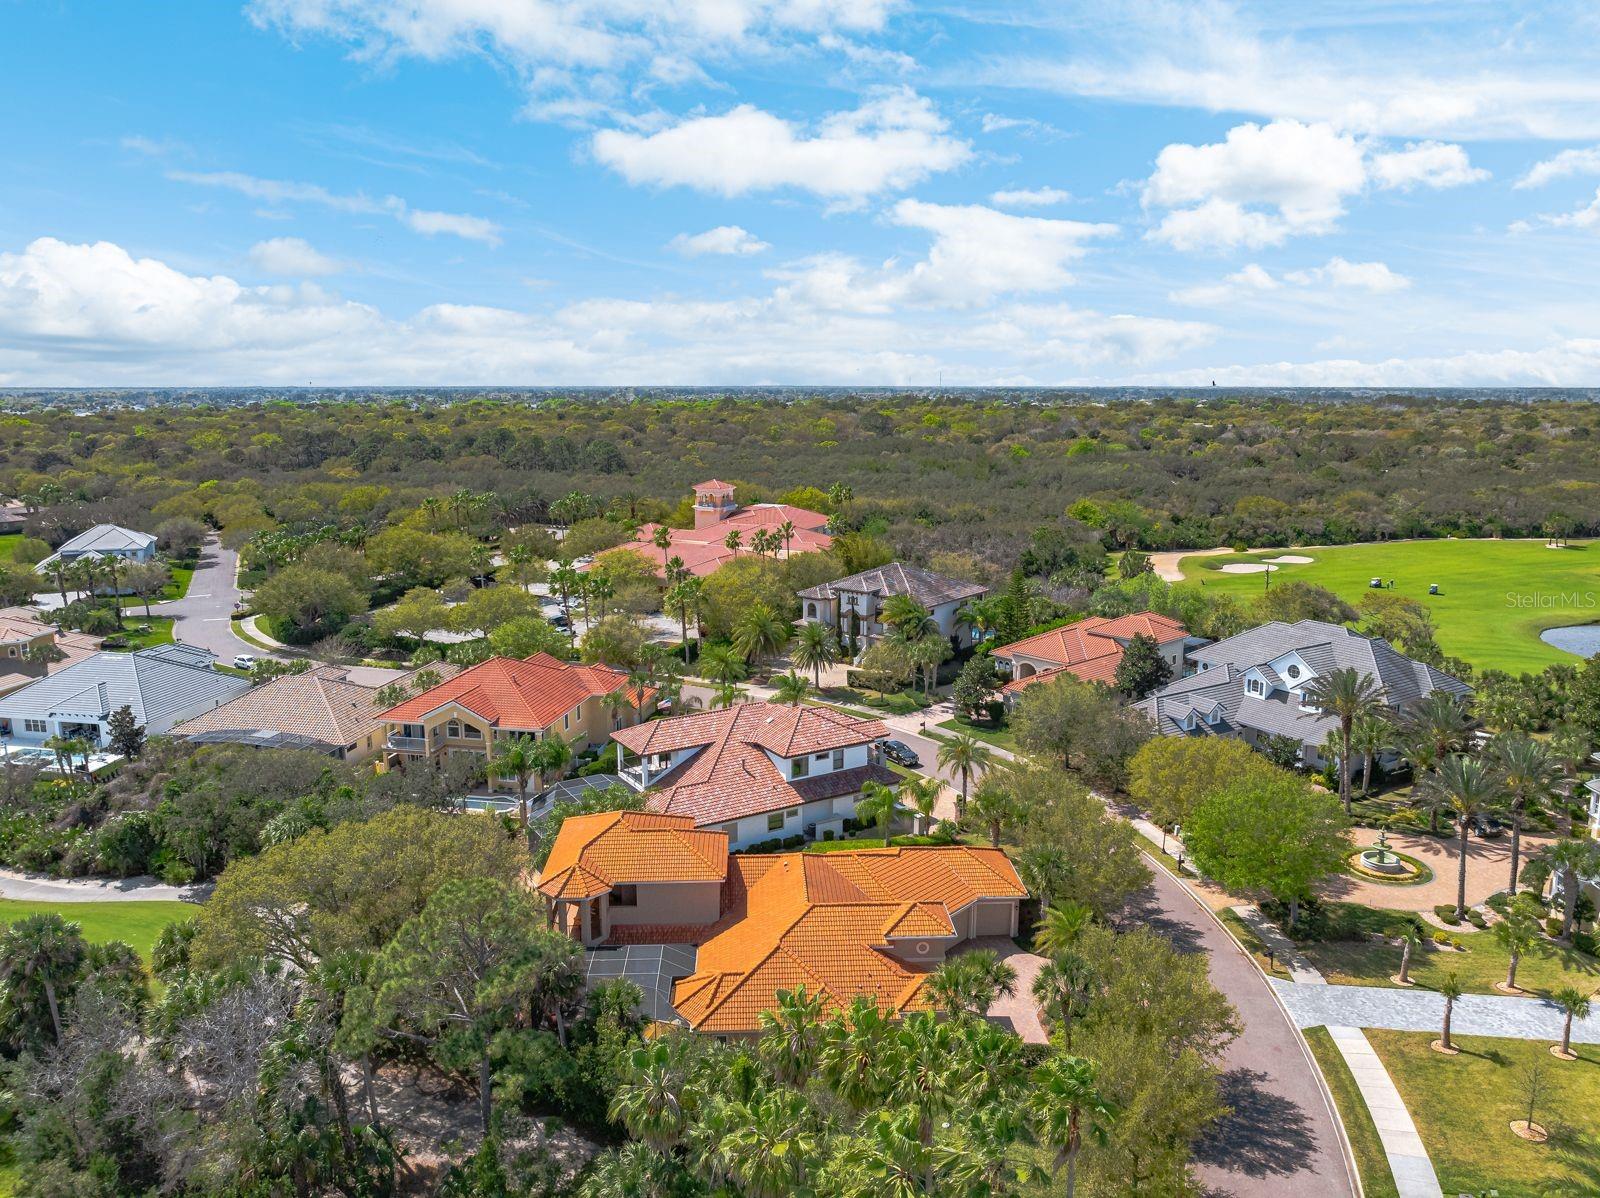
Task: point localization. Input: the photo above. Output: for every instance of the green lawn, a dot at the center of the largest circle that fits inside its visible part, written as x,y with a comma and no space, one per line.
1369,963
136,923
179,586
1496,596
1247,938
1463,1107
1376,1178
160,631
1002,736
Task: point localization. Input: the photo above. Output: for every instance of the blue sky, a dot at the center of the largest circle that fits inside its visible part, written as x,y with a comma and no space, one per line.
799,191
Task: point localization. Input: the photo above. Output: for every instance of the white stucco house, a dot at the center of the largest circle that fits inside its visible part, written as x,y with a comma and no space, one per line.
101,541
853,606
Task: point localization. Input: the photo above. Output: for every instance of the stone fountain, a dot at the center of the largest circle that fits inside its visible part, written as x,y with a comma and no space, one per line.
1379,859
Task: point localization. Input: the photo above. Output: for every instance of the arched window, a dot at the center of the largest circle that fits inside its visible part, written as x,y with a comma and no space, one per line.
811,611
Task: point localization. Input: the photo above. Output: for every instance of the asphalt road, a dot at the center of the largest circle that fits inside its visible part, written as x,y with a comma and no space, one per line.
1282,1138
203,617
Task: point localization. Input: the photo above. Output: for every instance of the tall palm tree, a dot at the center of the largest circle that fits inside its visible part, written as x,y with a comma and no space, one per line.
1370,735
983,615
43,951
1346,695
879,805
518,756
722,663
786,533
683,598
791,1035
1528,774
598,590
772,1144
1067,1105
1451,989
59,570
851,1061
791,688
925,1073
761,632
1467,788
1574,860
662,539
648,1102
1574,1004
1570,745
968,757
567,582
734,541
1064,988
994,806
1435,727
907,618
920,794
1061,926
815,648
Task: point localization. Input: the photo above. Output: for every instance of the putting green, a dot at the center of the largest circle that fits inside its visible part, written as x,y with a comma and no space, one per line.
1495,597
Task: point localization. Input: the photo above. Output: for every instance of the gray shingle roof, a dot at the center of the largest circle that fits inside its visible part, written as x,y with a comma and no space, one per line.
159,683
107,538
897,578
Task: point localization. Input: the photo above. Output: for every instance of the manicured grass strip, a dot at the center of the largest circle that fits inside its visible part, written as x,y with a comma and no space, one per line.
1495,596
869,841
1463,1107
179,586
1251,943
1376,1178
137,923
1001,736
160,632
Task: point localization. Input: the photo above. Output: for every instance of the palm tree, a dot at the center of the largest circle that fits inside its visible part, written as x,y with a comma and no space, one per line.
968,757
1570,745
1450,987
676,570
908,619
1433,728
1528,774
734,541
551,755
772,1144
791,688
1574,1003
1517,933
1467,788
924,1073
567,582
722,663
815,648
1063,988
597,591
727,694
1346,695
970,983
1067,1105
992,805
984,615
1061,926
647,1103
1574,860
921,795
1409,940
761,632
520,757
662,539
59,570
879,805
686,598
851,1061
45,951
791,1035
1370,735
786,533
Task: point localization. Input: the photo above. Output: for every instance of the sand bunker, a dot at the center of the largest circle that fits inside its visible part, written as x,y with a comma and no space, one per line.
1291,559
1245,568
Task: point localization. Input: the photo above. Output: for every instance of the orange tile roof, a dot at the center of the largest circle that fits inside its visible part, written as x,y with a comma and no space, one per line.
703,550
1090,649
731,775
527,695
824,920
593,853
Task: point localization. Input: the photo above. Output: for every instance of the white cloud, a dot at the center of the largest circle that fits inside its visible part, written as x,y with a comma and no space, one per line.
1030,197
1584,161
286,191
1573,362
292,257
895,139
1301,174
1425,164
724,239
1255,280
1585,216
994,122
1263,184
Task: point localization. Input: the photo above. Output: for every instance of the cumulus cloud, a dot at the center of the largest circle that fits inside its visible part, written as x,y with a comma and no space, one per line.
1574,362
1585,161
1263,184
1425,164
1030,197
1336,274
1585,216
893,140
293,257
287,191
95,315
724,239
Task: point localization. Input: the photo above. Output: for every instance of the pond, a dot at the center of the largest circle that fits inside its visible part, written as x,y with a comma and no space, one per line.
1582,639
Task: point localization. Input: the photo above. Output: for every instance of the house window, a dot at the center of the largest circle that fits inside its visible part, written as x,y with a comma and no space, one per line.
1254,686
624,896
452,729
800,767
822,757
774,821
566,721
1293,672
34,726
811,611
838,759
473,733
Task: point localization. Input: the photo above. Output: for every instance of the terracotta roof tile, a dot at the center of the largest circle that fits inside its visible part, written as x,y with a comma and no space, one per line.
1089,649
592,853
527,695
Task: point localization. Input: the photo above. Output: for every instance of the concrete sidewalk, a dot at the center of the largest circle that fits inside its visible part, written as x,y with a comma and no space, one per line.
1408,1157
1419,1010
39,889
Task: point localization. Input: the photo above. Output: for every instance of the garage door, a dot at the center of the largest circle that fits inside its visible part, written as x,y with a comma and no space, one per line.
994,919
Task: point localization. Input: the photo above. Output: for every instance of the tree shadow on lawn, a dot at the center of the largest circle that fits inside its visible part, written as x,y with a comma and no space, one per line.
1263,1133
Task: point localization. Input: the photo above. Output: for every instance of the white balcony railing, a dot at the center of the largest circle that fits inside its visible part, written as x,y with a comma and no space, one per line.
408,744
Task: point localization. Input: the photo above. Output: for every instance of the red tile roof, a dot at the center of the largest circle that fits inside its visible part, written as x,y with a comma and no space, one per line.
703,550
825,920
593,853
527,695
1089,649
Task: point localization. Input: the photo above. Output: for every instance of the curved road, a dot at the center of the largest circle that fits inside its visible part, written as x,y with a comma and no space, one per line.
1282,1139
204,616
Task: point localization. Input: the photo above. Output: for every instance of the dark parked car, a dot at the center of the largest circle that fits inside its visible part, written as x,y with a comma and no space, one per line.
901,754
1487,827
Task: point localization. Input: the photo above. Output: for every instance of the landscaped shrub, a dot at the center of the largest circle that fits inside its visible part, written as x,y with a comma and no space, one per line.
1441,938
1498,903
1534,875
1447,914
1584,942
1552,927
1476,918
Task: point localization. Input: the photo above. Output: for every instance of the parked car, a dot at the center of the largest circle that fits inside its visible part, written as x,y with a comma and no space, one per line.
244,661
901,754
1487,827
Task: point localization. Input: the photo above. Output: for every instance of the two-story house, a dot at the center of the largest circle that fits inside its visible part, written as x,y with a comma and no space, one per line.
1255,685
853,606
1091,649
712,937
758,771
502,698
30,649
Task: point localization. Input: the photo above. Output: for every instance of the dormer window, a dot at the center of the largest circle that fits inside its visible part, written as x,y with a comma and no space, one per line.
1255,686
1293,671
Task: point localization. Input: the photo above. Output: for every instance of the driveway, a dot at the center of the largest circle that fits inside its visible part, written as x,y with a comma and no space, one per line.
1016,1011
204,616
1282,1137
1488,870
38,889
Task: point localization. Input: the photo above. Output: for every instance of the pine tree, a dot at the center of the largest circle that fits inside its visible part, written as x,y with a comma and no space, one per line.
127,734
1142,668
